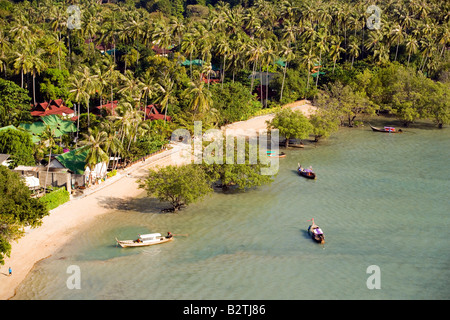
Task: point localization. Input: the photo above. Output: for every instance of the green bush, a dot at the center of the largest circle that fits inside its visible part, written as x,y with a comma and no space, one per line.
55,198
111,173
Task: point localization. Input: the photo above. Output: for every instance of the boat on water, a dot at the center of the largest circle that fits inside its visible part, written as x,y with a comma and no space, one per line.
306,173
272,154
316,233
386,129
145,240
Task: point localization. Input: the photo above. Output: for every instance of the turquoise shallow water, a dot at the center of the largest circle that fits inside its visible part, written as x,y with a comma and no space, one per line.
381,199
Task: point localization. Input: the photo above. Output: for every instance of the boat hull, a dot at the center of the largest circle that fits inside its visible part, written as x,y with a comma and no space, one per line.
383,130
304,174
133,243
280,155
316,238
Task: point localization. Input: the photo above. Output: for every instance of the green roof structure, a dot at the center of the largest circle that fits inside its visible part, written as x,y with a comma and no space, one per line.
73,160
198,62
58,126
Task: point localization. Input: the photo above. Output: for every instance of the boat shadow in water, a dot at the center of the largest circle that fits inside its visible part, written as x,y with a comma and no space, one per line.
305,234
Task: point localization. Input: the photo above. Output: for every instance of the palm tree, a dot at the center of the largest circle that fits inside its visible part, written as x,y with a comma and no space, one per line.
47,140
5,48
336,50
36,66
162,36
131,87
353,48
94,142
148,88
54,44
289,55
189,47
444,38
412,45
223,48
112,76
89,85
90,28
290,32
22,62
397,35
200,99
427,49
77,93
268,58
255,52
167,90
58,18
381,53
321,44
102,81
110,32
177,27
207,69
113,145
308,58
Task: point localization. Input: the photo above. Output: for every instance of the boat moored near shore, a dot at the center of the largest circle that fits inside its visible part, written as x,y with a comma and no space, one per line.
386,129
145,240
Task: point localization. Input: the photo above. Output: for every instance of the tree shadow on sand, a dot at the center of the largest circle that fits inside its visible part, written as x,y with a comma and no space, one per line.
143,205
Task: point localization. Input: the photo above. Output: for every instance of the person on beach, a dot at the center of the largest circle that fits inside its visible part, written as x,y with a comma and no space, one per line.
10,271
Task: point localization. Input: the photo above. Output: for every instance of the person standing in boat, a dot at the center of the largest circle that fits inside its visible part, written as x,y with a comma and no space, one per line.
169,235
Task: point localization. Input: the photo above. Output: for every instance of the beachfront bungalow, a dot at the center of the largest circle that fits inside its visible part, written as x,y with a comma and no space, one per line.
53,107
75,162
36,177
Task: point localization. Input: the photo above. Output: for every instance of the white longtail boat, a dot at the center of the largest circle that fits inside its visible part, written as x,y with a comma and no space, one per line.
145,240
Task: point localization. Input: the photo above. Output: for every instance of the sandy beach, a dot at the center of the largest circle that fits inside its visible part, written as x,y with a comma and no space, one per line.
64,222
259,123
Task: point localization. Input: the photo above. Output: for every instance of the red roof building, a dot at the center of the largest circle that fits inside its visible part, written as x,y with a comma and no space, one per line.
153,114
109,107
56,107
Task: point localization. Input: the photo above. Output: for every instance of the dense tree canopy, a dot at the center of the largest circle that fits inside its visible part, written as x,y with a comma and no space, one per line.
18,145
291,124
178,185
14,104
18,209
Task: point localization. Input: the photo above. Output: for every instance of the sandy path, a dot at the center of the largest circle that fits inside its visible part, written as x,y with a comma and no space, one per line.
259,123
65,221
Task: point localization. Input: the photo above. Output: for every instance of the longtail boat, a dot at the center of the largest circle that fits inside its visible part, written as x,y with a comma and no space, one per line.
386,129
307,173
316,233
145,240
